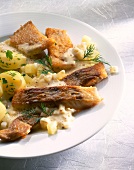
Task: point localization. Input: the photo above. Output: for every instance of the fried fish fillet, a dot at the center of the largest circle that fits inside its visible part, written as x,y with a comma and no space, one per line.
20,127
31,119
86,76
29,40
61,44
71,96
16,130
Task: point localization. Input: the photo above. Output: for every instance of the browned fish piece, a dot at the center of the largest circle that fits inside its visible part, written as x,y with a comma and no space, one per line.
32,120
86,76
29,40
71,96
61,44
16,130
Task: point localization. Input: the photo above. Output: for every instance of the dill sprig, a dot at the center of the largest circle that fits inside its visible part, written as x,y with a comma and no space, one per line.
47,62
43,107
99,59
40,61
29,112
89,51
46,71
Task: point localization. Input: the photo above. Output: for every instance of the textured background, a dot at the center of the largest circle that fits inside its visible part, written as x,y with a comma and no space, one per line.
113,147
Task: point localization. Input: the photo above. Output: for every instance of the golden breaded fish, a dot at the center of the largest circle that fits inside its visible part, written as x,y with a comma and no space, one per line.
29,40
60,45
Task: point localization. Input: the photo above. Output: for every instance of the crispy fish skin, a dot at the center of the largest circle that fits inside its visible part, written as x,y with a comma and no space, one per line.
16,130
20,127
71,96
86,76
60,45
32,119
28,34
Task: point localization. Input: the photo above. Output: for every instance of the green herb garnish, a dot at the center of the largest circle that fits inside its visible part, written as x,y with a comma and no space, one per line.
99,59
12,74
43,107
89,51
47,63
46,71
29,111
40,61
9,54
38,119
49,60
23,64
4,81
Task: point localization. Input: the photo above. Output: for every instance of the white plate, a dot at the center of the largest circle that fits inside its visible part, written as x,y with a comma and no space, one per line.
88,122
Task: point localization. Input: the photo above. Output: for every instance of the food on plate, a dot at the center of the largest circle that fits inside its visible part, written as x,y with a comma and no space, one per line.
19,127
1,89
45,79
12,81
86,76
9,58
57,49
16,130
3,111
76,97
29,40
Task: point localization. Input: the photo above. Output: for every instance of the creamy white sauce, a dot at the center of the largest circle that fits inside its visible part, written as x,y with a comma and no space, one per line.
26,48
78,50
75,53
68,57
63,117
47,80
4,46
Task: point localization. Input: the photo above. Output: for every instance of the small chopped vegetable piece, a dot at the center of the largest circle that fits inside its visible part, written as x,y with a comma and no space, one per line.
2,110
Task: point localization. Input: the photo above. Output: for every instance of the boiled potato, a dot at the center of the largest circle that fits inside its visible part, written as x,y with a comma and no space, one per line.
52,127
61,74
40,68
12,81
1,89
28,80
2,111
87,39
31,69
11,60
43,123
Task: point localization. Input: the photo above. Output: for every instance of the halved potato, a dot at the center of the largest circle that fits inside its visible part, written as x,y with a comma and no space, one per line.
12,81
11,60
